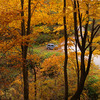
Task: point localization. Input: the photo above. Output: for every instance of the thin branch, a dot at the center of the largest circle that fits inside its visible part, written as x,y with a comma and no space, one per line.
75,27
86,27
92,37
29,17
34,8
89,60
80,20
96,31
91,34
94,49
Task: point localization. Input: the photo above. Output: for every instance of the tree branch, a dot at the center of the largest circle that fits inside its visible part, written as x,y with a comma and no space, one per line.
80,20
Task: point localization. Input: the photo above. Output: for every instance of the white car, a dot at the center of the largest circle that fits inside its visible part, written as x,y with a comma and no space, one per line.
51,46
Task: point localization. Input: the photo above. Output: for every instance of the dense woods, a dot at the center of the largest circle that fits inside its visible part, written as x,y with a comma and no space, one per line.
31,71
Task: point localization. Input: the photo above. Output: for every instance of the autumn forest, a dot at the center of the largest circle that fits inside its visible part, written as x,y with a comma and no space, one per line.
49,49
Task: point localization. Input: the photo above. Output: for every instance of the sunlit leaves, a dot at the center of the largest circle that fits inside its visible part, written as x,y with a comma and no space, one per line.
53,65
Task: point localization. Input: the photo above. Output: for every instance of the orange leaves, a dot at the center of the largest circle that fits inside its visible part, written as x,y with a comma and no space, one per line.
17,81
58,28
8,17
34,58
1,93
97,39
54,65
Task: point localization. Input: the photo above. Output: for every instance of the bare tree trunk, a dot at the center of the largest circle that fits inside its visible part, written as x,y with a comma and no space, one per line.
66,54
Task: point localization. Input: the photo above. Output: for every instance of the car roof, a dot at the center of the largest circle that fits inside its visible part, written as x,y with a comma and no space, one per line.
50,44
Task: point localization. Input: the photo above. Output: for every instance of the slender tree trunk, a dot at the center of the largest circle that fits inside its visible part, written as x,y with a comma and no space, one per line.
25,79
24,55
77,71
35,87
76,40
24,49
29,17
66,54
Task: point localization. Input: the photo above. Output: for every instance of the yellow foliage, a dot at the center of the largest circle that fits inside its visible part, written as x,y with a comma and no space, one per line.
54,64
1,93
17,81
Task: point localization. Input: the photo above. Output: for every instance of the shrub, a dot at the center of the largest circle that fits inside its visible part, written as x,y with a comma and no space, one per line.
92,89
43,38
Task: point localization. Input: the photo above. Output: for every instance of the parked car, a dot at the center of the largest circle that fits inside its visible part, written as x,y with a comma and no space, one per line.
51,46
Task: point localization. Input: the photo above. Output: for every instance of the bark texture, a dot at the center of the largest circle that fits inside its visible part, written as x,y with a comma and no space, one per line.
66,54
25,47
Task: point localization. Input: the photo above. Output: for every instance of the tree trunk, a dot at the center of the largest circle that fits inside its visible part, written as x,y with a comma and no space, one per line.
66,54
35,83
24,49
77,71
25,79
77,94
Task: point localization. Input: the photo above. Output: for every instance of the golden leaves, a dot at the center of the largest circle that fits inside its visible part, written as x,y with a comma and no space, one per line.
59,28
97,39
34,58
1,93
53,64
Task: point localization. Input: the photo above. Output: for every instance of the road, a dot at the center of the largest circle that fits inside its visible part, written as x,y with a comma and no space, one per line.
96,59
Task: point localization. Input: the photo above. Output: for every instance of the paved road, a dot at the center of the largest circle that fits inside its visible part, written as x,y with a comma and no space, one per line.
97,60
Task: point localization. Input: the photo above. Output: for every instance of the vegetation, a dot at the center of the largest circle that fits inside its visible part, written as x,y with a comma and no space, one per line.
28,71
